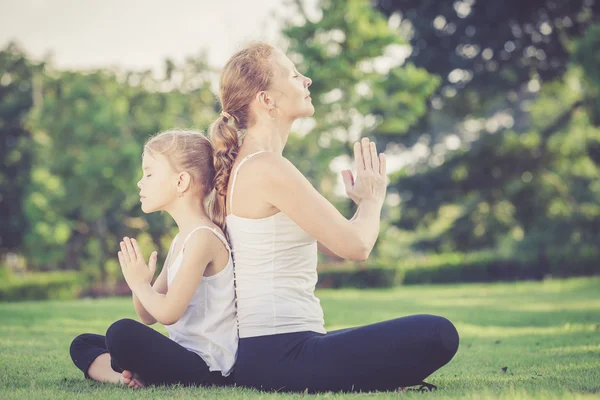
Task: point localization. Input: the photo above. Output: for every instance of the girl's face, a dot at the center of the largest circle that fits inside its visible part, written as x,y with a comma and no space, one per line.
289,89
158,186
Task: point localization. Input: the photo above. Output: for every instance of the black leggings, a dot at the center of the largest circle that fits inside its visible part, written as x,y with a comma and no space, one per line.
379,357
140,349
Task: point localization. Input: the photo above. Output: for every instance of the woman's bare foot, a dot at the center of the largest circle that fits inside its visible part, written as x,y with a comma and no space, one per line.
132,380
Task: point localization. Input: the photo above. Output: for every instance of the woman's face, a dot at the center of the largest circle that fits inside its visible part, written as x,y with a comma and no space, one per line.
289,89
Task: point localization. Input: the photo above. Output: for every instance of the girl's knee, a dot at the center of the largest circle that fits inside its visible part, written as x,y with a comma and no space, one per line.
120,332
76,345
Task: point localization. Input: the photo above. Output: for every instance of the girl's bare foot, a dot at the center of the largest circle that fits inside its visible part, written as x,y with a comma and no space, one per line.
132,380
126,378
138,381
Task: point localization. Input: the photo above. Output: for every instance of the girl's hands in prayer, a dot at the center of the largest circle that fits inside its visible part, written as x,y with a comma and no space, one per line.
135,270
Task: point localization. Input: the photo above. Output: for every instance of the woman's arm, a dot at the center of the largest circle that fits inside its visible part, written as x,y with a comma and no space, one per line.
287,189
168,307
324,249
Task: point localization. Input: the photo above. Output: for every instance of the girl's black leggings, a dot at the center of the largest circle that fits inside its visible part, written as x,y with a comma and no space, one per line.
140,349
378,357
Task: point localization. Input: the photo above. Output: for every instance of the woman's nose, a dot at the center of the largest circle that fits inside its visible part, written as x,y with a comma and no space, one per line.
308,82
139,184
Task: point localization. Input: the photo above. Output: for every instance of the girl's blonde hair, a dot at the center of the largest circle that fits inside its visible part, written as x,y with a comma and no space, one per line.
192,152
247,72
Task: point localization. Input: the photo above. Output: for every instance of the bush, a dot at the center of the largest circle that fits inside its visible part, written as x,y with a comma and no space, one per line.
450,268
347,275
41,286
5,273
464,267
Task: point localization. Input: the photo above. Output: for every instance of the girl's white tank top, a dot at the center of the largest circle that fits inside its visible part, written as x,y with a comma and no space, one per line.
208,326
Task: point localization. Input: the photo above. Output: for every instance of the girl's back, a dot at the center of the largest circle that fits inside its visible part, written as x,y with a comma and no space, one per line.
208,325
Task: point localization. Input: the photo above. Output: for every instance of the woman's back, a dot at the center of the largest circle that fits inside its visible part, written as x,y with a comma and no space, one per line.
276,273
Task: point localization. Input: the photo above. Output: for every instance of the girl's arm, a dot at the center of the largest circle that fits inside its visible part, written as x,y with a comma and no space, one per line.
168,307
160,286
285,188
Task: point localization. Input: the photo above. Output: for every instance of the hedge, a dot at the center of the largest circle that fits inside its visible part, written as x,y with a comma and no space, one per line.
41,286
450,268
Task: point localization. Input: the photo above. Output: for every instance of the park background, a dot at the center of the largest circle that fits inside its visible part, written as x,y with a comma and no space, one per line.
489,113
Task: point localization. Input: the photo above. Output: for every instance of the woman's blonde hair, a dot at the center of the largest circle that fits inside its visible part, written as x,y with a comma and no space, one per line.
247,72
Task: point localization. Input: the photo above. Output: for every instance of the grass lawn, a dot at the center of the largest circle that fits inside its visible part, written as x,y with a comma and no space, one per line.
546,334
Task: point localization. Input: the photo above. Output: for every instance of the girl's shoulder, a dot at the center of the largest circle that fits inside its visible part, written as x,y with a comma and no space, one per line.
205,230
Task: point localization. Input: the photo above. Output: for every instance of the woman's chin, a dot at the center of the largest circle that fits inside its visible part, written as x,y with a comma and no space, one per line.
310,111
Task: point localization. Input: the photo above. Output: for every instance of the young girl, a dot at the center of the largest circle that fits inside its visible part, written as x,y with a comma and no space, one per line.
194,294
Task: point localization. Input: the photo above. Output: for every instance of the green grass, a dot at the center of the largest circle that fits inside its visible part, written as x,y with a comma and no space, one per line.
546,333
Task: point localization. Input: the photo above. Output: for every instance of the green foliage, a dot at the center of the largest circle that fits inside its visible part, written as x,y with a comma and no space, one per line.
522,181
349,275
89,129
524,178
16,99
352,57
482,266
41,286
484,50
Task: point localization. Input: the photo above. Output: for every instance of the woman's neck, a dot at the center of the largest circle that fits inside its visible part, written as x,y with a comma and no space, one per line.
266,135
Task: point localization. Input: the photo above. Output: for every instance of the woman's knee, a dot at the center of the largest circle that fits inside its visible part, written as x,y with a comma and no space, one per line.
447,338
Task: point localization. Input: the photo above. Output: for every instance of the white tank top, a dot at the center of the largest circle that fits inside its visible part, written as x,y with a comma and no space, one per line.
208,326
276,273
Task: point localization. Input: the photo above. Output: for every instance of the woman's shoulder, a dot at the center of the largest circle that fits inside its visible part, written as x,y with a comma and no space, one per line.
260,158
270,165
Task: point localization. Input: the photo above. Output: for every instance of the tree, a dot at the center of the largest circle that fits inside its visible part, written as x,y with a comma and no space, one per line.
16,99
358,87
518,91
89,130
483,50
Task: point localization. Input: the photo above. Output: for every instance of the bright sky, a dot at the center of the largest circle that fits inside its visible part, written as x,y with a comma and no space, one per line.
137,34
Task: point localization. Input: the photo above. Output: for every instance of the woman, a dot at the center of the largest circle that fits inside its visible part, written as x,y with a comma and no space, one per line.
276,221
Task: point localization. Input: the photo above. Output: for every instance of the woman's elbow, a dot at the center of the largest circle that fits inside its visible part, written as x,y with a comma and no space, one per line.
358,253
363,255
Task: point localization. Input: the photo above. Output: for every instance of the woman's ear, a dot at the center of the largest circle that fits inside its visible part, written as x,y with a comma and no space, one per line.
265,100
